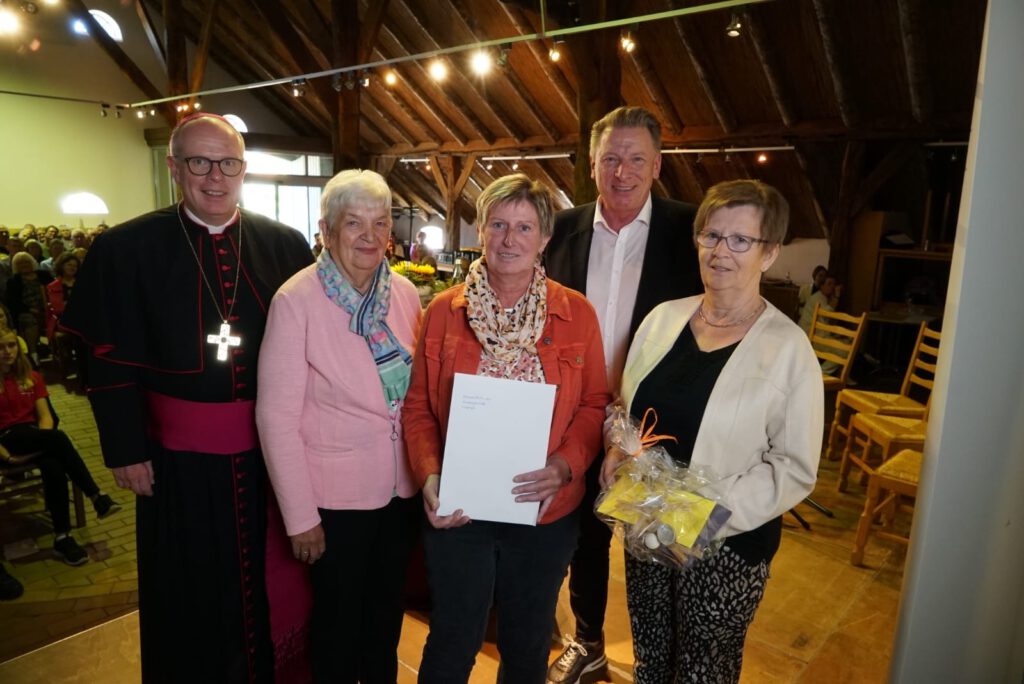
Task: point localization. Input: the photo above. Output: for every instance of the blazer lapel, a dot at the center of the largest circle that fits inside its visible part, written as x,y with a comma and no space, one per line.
579,246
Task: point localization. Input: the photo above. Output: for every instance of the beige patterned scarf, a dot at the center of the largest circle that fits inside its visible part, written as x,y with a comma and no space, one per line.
509,338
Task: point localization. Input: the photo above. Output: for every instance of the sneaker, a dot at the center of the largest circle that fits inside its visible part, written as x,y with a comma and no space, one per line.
104,506
10,587
576,660
68,550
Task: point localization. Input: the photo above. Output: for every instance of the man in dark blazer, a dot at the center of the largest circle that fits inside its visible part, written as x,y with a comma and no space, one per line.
628,252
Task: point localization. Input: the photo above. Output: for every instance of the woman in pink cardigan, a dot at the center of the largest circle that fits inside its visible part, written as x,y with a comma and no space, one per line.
334,369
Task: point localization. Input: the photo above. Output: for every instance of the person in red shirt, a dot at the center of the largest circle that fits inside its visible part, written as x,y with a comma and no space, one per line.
27,426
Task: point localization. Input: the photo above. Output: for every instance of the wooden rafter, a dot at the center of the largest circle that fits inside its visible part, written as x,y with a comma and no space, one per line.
386,125
312,24
698,57
849,180
373,20
413,72
423,103
894,160
828,24
79,11
656,92
174,41
345,32
521,92
805,178
275,16
552,73
767,54
916,57
152,36
203,46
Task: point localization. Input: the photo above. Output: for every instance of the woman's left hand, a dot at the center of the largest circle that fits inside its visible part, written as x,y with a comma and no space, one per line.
542,485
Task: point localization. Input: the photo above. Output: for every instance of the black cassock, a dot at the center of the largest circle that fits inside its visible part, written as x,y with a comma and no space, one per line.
159,393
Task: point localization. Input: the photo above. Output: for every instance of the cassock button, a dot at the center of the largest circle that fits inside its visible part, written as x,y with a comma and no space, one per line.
228,284
225,267
222,251
233,318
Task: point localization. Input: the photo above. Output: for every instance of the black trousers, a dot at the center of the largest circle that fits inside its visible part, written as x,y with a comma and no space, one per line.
58,461
357,591
588,570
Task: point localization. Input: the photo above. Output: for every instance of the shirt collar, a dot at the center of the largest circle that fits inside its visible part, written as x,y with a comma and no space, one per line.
213,229
643,217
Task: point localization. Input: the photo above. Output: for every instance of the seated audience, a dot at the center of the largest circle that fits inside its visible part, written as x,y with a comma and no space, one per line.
58,292
26,298
26,426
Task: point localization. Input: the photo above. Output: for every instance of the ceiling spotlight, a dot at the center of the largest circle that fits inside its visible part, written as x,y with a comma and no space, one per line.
336,82
700,157
626,41
438,70
481,63
762,158
364,78
117,111
9,22
152,112
503,54
298,87
733,29
104,110
555,53
427,166
515,166
139,114
391,78
197,105
490,166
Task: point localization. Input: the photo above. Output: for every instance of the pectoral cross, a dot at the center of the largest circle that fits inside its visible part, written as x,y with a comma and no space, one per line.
224,340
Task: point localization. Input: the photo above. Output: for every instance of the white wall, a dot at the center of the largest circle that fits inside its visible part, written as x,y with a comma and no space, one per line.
797,260
962,613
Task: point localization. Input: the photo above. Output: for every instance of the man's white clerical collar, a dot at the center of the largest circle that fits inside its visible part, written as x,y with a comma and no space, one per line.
644,215
214,230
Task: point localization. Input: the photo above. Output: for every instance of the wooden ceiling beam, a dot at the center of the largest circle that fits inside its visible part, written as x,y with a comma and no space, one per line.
387,100
768,56
280,23
376,10
345,33
552,73
426,105
425,189
521,92
667,113
849,181
805,177
78,10
311,23
912,22
203,46
390,128
828,24
894,160
152,36
174,41
697,172
698,57
393,43
456,72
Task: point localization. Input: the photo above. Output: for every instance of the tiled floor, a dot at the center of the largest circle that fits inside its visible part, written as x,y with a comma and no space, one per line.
822,620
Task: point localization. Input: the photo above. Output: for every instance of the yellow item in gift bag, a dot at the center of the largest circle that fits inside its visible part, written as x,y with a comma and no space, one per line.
685,512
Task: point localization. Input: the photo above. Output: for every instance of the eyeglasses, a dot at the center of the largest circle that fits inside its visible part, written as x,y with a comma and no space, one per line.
202,166
735,242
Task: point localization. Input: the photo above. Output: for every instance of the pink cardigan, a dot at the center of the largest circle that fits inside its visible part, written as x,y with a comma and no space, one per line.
323,421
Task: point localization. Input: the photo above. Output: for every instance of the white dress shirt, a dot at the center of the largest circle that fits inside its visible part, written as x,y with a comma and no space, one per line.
613,278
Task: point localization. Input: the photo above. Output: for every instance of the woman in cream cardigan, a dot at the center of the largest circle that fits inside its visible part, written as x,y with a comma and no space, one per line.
737,383
334,368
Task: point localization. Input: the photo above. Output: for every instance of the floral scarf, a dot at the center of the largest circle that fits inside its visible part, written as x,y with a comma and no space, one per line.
369,318
509,337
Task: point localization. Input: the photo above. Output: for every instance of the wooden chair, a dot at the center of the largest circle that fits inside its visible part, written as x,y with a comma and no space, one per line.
889,434
836,337
920,374
897,478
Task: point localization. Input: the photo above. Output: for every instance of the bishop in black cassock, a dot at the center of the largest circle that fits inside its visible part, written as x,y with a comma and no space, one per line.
149,304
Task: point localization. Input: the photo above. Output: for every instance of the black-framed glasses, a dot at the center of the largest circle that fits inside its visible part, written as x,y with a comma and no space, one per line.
202,166
735,242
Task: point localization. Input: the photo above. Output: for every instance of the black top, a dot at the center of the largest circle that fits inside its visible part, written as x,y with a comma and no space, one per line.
142,307
678,390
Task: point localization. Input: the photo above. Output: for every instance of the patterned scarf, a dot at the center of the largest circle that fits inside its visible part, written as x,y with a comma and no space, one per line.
369,319
509,338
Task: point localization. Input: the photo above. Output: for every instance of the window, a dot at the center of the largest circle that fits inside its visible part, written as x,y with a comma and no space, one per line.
286,187
104,20
83,203
237,122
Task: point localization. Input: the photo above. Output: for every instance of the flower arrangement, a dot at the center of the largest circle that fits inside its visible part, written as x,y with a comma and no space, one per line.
419,274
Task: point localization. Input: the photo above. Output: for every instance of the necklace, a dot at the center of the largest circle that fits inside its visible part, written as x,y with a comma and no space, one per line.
700,312
223,338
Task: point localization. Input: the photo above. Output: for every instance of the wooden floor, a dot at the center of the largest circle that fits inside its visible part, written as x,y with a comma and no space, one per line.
822,620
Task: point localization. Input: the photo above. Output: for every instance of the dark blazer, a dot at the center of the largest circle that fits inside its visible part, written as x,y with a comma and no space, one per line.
670,269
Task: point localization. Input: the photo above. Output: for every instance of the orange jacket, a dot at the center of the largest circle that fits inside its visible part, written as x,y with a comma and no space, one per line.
572,357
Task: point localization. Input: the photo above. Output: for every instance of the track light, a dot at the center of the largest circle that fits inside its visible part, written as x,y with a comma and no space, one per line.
762,158
298,87
104,110
503,54
139,114
364,78
391,78
481,63
627,42
555,53
733,29
515,166
438,70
